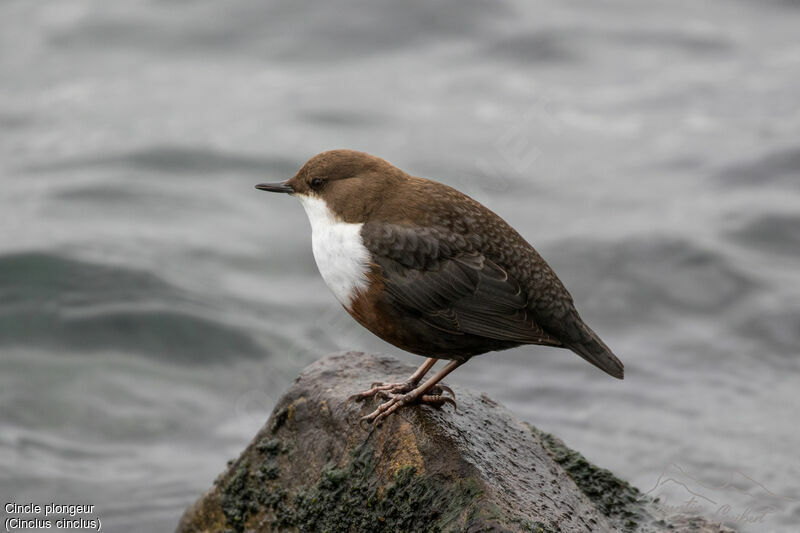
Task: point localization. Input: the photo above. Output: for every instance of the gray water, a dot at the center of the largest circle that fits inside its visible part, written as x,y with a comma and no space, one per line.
153,305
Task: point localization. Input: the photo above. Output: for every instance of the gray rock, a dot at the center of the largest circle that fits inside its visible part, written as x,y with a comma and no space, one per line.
312,468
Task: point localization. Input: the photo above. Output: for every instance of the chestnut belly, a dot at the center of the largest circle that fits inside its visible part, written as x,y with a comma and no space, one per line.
412,334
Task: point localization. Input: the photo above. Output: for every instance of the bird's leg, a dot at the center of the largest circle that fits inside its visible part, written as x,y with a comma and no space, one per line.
397,388
418,395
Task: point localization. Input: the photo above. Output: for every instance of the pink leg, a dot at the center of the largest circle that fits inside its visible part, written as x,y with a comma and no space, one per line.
416,395
397,388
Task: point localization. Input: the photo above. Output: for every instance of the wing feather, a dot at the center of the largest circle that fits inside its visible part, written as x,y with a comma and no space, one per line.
439,277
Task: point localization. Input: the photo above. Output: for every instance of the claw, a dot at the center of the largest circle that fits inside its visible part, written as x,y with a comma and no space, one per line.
447,390
351,398
361,423
439,390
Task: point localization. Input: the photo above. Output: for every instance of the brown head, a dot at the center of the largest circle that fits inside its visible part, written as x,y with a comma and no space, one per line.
351,184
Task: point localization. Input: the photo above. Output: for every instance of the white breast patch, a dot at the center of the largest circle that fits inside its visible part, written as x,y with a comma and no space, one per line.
339,252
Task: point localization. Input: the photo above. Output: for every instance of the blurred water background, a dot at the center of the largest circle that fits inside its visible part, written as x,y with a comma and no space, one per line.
153,305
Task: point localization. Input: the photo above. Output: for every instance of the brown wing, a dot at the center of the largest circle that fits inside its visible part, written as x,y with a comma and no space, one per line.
439,277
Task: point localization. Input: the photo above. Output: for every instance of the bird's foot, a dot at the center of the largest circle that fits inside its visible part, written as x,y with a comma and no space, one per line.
388,390
379,388
437,390
395,401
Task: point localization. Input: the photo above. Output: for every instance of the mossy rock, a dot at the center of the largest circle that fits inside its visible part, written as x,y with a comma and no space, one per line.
313,469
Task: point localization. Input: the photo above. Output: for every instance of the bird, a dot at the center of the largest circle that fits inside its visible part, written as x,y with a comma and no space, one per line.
431,271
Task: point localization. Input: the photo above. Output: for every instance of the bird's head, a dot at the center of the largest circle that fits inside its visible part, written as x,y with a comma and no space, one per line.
350,185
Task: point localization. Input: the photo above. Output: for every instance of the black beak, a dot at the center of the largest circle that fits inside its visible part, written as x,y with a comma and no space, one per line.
283,187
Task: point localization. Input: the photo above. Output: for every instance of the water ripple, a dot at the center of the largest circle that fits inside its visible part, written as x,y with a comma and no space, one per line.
779,167
176,160
775,233
633,278
50,300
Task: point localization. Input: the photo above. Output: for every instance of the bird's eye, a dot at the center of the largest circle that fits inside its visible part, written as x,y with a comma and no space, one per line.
317,183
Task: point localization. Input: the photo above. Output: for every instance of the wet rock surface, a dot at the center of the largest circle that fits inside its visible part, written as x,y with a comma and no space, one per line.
313,468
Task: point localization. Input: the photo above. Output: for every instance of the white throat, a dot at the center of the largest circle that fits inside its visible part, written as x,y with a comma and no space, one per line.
339,251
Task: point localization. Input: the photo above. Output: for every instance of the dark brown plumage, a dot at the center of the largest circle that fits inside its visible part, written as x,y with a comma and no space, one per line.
447,277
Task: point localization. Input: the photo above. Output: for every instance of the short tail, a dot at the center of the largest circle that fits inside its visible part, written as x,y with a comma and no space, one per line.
596,352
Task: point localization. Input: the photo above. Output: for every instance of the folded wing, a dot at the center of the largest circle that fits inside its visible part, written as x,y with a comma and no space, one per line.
449,285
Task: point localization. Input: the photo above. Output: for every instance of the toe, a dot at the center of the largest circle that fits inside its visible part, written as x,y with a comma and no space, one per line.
438,400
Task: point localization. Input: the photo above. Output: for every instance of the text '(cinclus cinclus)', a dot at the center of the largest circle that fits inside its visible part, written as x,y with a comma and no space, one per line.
430,270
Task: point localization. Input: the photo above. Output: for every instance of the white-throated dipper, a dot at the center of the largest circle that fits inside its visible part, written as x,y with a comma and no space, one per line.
430,270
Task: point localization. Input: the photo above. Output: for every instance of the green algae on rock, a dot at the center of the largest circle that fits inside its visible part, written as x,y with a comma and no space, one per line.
312,468
616,498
